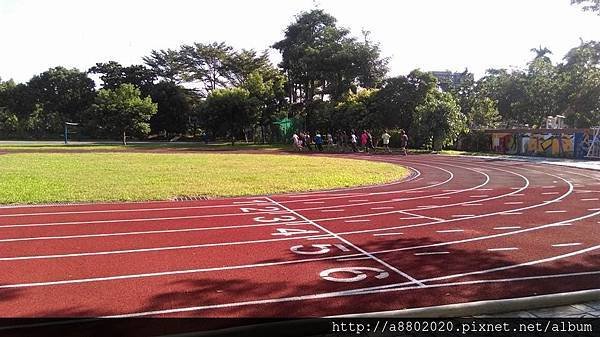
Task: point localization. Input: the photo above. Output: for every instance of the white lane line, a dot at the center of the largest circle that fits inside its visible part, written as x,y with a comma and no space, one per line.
354,258
130,210
388,234
593,209
479,196
358,200
431,253
550,193
567,244
159,249
514,203
324,237
514,188
332,210
467,205
182,230
383,207
502,249
561,225
590,199
441,198
136,220
421,216
507,227
556,211
364,252
462,215
484,189
548,186
363,220
314,202
450,231
411,218
511,213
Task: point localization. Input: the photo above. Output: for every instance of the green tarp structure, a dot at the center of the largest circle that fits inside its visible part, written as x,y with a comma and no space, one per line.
287,127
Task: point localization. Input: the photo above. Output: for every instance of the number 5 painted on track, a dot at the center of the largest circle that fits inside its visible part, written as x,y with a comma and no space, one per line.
357,271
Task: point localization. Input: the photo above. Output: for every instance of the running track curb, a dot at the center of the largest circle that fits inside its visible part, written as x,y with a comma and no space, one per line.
488,307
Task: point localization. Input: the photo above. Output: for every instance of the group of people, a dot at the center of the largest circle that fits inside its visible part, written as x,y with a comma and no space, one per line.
343,141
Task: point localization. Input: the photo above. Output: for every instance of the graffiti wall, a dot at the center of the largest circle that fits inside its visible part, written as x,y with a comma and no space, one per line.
567,143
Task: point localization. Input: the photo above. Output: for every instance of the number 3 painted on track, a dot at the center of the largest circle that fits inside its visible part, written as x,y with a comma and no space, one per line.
357,271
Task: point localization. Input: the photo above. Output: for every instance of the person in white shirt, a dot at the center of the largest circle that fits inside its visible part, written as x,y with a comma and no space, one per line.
297,144
386,141
353,141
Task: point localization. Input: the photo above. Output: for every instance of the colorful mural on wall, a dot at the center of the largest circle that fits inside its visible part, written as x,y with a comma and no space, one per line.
568,143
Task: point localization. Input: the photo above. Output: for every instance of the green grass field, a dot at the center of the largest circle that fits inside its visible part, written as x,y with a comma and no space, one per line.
29,178
134,146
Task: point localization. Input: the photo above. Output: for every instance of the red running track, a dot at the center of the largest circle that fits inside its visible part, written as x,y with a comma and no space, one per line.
457,230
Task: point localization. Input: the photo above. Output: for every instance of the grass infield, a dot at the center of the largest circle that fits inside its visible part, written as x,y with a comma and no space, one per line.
30,178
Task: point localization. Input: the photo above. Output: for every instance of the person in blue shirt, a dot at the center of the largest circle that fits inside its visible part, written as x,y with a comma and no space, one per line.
319,141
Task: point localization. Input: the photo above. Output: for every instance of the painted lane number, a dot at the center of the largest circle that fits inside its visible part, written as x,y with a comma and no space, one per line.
277,219
264,209
358,272
317,249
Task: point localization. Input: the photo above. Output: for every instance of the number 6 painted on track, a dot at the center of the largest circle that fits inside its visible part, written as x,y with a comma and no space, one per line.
357,271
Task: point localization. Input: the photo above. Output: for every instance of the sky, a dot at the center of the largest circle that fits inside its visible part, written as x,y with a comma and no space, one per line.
36,35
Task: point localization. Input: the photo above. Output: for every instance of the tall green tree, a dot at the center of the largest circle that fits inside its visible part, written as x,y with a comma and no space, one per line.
229,111
174,108
321,59
438,120
208,65
114,74
394,105
268,97
167,65
69,92
580,85
122,111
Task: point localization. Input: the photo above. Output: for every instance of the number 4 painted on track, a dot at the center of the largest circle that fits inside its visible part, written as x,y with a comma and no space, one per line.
294,231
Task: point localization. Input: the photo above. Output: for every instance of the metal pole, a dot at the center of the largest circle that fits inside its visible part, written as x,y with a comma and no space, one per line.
66,134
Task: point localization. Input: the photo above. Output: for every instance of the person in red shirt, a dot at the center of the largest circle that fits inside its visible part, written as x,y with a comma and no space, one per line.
364,139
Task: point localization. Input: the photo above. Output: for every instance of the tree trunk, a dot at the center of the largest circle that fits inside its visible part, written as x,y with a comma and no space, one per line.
124,137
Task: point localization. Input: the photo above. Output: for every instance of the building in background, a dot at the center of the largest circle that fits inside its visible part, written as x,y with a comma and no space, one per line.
447,79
